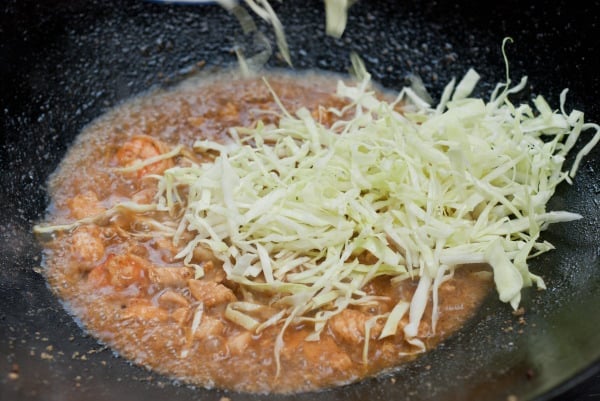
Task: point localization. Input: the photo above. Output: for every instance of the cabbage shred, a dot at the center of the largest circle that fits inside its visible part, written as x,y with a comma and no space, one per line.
289,208
336,18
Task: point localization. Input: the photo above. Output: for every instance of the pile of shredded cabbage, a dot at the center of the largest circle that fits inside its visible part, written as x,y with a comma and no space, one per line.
288,208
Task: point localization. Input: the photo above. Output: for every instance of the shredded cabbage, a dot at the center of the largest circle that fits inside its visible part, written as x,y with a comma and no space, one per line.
289,208
424,190
336,17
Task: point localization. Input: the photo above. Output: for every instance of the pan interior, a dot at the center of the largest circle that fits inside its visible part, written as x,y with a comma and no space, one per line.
75,60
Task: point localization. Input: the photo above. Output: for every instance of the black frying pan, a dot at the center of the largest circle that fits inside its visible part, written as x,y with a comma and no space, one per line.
64,62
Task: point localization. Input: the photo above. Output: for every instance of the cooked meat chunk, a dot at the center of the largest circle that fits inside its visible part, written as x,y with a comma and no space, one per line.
143,310
238,343
172,299
85,204
210,293
326,353
87,246
349,326
209,327
175,277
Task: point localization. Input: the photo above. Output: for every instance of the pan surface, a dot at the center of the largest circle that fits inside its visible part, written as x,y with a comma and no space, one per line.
63,63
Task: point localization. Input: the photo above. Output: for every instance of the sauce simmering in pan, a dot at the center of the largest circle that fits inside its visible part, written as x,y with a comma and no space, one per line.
121,274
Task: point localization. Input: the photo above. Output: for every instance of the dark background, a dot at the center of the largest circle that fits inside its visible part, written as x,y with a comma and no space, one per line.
63,63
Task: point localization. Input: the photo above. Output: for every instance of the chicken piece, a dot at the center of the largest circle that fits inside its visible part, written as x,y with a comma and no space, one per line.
98,277
142,147
181,315
209,327
210,293
172,299
126,270
213,267
87,246
349,326
165,249
238,343
213,272
202,254
174,277
143,310
85,204
326,352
